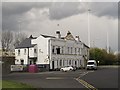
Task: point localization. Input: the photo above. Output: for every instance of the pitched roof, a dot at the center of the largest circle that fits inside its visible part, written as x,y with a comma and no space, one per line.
69,36
47,36
26,44
86,46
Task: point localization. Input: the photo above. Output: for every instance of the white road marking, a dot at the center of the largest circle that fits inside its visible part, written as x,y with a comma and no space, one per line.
54,78
45,73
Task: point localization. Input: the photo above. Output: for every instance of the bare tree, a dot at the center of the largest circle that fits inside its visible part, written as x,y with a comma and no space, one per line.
7,39
19,37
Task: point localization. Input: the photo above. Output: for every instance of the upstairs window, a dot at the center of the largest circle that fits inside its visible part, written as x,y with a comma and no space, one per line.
35,50
71,50
75,50
24,51
53,49
78,50
68,49
62,50
19,52
58,50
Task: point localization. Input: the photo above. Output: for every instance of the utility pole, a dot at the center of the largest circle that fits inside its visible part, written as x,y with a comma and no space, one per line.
19,22
108,51
89,27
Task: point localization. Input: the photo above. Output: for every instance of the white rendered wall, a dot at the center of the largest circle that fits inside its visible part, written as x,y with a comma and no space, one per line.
42,50
21,56
78,57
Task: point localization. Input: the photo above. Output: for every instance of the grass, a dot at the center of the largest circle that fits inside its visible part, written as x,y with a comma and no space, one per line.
6,85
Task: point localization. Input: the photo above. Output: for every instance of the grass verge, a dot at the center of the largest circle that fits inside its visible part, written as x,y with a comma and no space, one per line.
11,85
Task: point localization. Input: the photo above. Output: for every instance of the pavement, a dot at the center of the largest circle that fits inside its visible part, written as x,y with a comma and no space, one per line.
95,79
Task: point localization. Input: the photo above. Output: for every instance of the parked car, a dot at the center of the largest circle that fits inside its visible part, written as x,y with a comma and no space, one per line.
68,68
91,64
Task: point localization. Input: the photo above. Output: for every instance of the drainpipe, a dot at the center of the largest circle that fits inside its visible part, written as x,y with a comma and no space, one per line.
28,55
49,52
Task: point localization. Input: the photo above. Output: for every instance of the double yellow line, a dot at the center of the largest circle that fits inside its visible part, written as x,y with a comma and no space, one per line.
87,85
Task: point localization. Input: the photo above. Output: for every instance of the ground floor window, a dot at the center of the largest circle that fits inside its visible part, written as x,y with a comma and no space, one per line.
30,62
22,61
60,62
63,62
69,62
75,62
80,62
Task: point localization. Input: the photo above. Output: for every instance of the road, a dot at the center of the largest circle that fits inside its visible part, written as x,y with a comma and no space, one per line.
101,78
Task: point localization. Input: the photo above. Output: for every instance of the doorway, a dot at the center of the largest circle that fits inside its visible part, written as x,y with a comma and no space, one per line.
53,65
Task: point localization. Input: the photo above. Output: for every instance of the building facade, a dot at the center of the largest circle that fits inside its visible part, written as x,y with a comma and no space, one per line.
52,52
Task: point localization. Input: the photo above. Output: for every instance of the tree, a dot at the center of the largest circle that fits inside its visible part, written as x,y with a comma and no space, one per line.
118,58
102,56
7,39
19,37
97,54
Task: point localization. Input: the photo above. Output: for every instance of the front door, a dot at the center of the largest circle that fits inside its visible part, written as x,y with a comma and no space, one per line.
22,62
53,65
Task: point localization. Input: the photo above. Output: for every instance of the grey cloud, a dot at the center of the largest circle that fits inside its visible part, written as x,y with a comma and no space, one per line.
10,23
16,8
59,10
109,9
64,9
11,11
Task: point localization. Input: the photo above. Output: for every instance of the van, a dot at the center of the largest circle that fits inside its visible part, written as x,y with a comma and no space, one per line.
91,64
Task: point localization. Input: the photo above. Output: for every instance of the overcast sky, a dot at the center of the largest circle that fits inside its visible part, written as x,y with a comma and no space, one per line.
42,18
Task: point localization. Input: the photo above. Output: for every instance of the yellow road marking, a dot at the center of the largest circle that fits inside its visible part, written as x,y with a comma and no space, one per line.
87,85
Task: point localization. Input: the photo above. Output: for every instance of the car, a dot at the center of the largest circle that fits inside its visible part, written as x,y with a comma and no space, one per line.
91,64
68,68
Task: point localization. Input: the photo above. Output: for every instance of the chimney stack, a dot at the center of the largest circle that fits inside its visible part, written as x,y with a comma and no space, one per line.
77,38
58,34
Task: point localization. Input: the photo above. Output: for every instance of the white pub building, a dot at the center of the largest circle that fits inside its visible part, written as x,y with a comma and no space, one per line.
51,52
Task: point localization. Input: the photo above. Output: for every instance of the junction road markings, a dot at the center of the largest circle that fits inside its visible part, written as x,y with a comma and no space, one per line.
84,83
87,85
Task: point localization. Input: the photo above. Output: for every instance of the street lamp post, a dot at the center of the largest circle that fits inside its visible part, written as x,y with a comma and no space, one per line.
89,27
108,42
